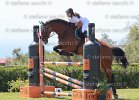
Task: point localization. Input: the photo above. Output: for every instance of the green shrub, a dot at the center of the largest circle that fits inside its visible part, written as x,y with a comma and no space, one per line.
127,77
8,74
14,85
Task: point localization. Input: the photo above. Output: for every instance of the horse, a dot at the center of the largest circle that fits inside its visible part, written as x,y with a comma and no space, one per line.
68,43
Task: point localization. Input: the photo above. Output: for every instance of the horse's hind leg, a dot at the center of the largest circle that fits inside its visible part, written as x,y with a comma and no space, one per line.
112,83
113,87
108,71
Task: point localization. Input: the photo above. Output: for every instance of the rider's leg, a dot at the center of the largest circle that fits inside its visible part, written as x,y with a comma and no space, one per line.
84,34
78,33
84,29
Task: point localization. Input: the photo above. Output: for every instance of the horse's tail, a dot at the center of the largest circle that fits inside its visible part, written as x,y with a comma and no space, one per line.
119,56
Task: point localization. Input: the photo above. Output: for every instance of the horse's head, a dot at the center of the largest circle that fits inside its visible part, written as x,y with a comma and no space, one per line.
45,31
56,25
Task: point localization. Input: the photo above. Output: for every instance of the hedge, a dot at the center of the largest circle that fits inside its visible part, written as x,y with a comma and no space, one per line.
127,77
124,78
8,74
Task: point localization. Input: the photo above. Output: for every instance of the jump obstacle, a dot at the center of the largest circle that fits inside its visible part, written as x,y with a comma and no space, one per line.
57,75
83,90
64,63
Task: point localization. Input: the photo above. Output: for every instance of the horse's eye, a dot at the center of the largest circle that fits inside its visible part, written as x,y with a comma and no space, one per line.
43,29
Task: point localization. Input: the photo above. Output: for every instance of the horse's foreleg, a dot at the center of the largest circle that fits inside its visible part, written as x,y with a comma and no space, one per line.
59,50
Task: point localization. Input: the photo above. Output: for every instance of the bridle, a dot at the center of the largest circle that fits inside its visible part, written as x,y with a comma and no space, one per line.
61,36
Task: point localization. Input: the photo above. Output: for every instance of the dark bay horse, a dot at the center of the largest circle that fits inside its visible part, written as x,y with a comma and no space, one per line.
68,43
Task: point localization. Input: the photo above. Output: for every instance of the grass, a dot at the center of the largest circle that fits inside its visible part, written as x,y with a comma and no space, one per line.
15,96
128,94
124,94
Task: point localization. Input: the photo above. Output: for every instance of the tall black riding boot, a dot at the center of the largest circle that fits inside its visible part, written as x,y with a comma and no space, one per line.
84,34
78,33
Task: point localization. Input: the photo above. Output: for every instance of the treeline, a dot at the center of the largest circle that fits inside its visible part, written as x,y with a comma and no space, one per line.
20,59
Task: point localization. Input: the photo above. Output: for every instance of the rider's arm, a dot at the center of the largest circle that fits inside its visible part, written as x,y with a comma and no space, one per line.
76,20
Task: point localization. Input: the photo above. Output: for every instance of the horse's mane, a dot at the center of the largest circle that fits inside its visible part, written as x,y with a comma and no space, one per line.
57,20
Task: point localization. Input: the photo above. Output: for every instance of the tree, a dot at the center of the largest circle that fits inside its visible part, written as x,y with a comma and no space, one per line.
19,57
131,44
17,53
106,38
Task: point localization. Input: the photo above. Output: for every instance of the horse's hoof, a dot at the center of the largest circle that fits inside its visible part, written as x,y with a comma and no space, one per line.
71,53
116,96
66,53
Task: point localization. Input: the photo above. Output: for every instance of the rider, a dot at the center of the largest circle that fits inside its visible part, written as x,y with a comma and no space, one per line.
80,22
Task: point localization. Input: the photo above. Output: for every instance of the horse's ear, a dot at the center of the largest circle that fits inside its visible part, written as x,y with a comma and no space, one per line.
42,23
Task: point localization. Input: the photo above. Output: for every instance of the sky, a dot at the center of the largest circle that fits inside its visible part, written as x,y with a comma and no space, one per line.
17,18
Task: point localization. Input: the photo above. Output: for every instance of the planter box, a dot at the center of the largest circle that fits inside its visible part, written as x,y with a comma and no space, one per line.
35,91
87,94
84,94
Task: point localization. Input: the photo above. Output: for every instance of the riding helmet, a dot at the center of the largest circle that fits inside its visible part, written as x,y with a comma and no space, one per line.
70,10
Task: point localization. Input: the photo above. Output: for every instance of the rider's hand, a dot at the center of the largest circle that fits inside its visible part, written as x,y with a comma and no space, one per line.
78,24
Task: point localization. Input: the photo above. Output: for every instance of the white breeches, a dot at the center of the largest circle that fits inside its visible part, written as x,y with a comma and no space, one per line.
85,25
